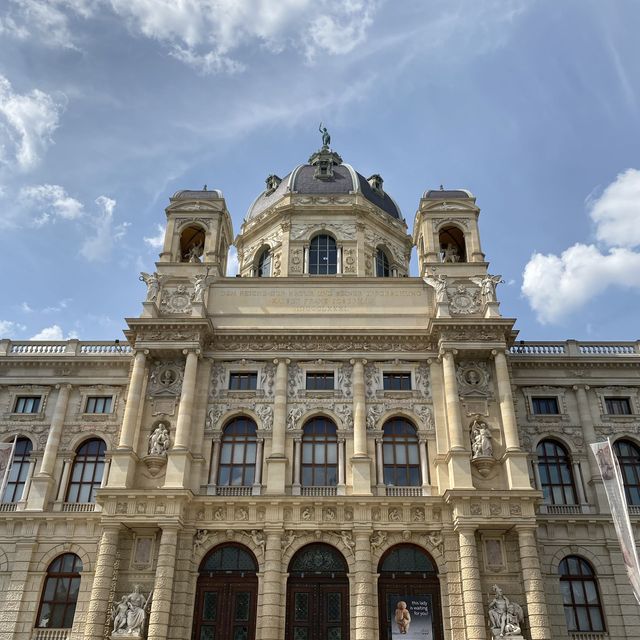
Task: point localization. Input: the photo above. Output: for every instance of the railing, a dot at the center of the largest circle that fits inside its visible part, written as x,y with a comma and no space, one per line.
634,510
51,634
404,492
233,491
575,348
66,347
8,506
588,635
318,491
560,509
78,507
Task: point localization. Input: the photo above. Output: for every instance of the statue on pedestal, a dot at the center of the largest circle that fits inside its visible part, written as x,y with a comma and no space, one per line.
481,439
130,614
488,285
505,616
152,280
159,441
439,283
326,138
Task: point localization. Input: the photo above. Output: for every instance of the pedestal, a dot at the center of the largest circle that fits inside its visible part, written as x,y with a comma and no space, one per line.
149,310
155,463
492,310
442,310
361,468
483,464
197,310
276,475
41,489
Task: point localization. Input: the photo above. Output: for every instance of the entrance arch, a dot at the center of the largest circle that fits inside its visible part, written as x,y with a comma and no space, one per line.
226,595
317,595
408,582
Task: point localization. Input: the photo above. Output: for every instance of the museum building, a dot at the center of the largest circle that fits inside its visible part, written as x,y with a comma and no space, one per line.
321,448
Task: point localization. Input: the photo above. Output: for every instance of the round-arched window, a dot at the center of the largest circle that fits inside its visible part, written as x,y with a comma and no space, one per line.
60,593
318,559
319,453
628,455
264,264
556,475
237,464
382,264
323,255
407,559
87,470
400,454
229,558
19,471
580,595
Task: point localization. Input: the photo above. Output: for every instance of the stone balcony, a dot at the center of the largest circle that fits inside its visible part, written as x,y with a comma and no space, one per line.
573,348
30,348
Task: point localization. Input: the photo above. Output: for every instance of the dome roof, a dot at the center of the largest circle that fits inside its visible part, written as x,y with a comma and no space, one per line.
343,179
447,194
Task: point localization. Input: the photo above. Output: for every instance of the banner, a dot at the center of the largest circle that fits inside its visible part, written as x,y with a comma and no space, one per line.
6,458
411,617
614,486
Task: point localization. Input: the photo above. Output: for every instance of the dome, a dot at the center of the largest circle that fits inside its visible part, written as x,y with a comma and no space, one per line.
341,178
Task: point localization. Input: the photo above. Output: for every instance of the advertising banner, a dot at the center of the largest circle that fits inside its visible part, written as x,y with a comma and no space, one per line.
411,617
614,486
6,457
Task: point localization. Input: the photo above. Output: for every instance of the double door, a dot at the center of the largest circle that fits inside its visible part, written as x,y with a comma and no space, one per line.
317,610
225,609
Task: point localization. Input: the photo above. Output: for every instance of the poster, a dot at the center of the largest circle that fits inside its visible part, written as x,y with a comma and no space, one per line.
411,617
6,457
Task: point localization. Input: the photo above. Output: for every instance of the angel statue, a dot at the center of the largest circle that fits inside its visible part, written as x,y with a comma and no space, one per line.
152,280
488,286
505,616
439,283
199,287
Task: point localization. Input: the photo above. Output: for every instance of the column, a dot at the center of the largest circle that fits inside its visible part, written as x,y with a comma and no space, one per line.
44,482
458,457
341,470
297,455
536,474
471,588
27,484
97,611
515,459
163,584
124,457
360,462
277,461
533,584
424,465
257,480
179,456
270,623
379,462
365,617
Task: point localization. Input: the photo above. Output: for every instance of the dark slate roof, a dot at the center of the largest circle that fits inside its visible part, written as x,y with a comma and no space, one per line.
344,180
447,194
187,194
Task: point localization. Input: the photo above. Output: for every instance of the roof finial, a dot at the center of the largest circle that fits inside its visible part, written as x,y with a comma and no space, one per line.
204,188
441,188
326,138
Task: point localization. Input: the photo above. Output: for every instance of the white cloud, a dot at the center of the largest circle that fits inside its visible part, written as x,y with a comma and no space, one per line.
232,262
27,123
51,201
156,242
557,286
54,332
25,307
106,234
617,211
8,328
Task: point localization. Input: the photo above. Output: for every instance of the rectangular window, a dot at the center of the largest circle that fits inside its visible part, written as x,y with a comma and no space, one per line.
545,406
320,381
27,404
618,406
243,381
396,381
98,404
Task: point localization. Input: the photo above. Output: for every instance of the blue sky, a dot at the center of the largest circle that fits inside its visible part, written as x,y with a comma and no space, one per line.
109,106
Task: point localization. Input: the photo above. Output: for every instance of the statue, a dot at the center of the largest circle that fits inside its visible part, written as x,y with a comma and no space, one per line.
195,252
200,538
326,138
152,280
481,439
451,253
133,619
439,283
199,287
159,440
402,617
488,286
505,617
258,539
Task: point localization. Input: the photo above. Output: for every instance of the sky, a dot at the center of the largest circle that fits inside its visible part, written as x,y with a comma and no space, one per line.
107,107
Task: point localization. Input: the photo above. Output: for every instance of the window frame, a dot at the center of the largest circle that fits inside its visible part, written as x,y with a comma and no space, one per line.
70,576
320,443
629,466
251,377
314,249
261,261
616,402
580,578
320,375
395,443
401,376
538,401
22,399
382,260
97,461
107,400
233,442
548,461
20,463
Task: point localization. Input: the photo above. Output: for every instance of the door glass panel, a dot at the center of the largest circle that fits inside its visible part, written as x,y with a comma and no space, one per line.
242,606
210,606
334,607
301,607
240,633
300,634
334,633
207,633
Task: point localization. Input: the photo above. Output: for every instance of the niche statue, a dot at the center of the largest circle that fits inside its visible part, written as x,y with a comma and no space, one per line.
130,614
159,441
505,616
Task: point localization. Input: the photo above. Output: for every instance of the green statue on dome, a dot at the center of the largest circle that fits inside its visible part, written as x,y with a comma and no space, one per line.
326,138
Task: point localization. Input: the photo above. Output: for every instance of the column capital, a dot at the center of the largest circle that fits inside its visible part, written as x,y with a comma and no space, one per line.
498,352
286,361
354,361
447,351
466,528
195,350
577,387
63,387
140,352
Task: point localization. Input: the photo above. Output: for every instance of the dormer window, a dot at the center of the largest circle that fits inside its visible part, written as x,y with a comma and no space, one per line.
264,264
324,170
272,183
375,182
382,264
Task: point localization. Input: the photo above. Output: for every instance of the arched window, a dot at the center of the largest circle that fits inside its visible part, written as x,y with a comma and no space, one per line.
319,453
87,470
192,244
629,458
580,595
556,475
400,453
229,558
19,471
238,453
382,264
406,558
452,245
60,593
264,264
323,255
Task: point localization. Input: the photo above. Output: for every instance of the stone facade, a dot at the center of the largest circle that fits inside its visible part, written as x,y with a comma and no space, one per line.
432,352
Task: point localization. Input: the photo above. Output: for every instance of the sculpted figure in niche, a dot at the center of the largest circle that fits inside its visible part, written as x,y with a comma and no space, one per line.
159,440
451,253
194,252
481,445
472,377
136,614
505,617
152,280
